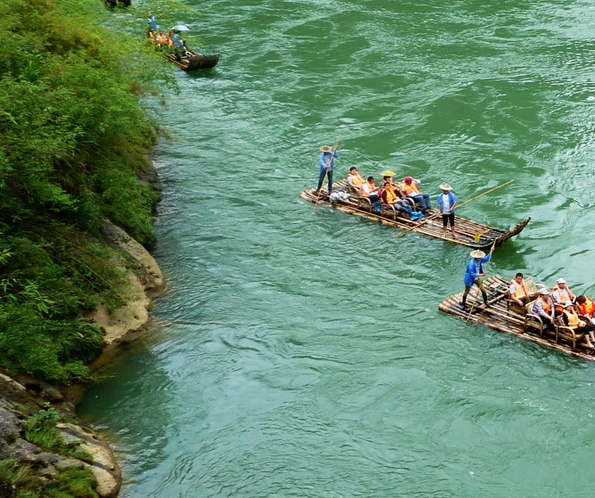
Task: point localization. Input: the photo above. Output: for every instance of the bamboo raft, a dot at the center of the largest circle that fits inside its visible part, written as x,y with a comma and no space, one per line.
505,316
192,60
469,233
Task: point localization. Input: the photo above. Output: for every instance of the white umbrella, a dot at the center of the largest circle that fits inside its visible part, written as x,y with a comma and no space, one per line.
180,27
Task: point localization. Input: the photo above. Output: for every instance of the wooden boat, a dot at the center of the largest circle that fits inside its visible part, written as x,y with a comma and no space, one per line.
505,316
192,60
469,233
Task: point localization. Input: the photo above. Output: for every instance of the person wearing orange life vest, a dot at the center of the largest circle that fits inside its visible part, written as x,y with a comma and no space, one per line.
409,186
372,192
560,294
402,205
518,291
572,320
544,307
585,307
354,179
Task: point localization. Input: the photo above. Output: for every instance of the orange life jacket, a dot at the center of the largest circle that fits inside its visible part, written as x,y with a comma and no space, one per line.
587,308
410,189
356,179
520,290
573,319
547,305
371,189
390,196
570,295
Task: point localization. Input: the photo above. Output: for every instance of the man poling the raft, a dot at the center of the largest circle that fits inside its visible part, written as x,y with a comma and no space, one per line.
474,273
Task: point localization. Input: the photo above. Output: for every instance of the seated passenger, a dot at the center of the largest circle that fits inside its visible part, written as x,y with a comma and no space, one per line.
544,308
161,40
354,179
518,291
560,294
585,307
571,319
371,192
401,205
409,187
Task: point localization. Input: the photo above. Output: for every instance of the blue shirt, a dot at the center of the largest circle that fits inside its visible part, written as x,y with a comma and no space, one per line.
474,268
538,308
324,157
176,40
152,23
452,198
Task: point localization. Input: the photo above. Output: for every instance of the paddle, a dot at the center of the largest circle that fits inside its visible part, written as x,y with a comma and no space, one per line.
425,220
485,270
328,167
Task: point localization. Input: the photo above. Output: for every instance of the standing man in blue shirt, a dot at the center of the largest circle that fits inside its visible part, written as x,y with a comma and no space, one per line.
327,165
447,202
474,273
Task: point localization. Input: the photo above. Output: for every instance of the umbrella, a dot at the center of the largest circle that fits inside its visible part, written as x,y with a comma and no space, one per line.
180,27
387,172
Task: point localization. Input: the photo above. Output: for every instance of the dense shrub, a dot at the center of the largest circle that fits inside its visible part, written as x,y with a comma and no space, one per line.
73,151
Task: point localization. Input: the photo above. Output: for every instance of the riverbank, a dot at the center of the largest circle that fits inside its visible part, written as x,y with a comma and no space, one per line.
23,397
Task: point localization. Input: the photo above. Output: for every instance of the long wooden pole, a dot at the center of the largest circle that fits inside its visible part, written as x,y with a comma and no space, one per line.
486,192
328,167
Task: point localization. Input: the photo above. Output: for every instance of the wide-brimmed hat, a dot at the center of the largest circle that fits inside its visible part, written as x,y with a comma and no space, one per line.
544,292
560,281
326,148
444,186
477,254
387,172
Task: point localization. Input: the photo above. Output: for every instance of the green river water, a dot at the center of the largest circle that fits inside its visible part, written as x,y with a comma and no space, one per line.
300,352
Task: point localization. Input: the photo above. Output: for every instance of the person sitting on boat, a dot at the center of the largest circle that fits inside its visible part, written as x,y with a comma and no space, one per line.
571,319
447,203
371,192
544,307
161,40
410,189
518,291
402,205
473,275
354,179
327,166
560,294
585,307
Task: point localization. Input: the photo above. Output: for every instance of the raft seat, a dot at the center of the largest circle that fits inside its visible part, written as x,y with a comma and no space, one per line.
533,321
567,333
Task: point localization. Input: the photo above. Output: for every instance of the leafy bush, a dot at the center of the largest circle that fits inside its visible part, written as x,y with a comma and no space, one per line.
73,151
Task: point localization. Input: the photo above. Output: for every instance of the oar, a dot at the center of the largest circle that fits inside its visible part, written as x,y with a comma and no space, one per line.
479,290
328,167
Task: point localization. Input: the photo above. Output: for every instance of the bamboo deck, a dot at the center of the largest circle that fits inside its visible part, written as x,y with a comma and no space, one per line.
469,233
509,321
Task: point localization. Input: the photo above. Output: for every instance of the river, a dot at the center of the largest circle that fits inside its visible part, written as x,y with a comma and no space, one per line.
299,351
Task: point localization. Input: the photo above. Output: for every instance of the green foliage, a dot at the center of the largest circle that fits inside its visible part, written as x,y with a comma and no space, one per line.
40,429
78,483
73,151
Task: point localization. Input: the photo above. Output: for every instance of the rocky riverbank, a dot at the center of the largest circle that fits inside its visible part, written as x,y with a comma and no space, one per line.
22,399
